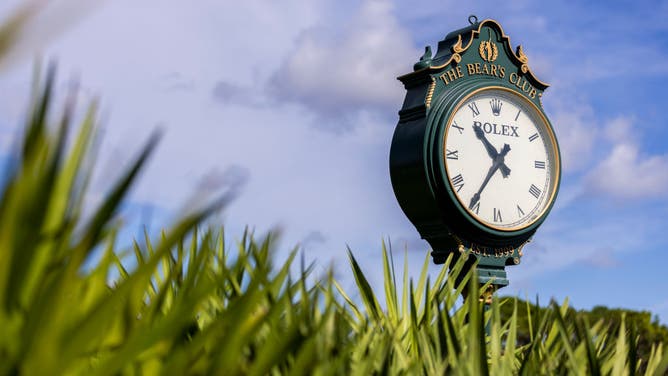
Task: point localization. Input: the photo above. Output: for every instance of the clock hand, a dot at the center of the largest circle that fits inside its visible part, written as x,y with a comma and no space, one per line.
476,196
480,134
504,151
498,164
505,171
491,151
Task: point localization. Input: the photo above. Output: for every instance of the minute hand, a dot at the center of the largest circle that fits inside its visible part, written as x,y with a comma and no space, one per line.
498,162
490,173
491,151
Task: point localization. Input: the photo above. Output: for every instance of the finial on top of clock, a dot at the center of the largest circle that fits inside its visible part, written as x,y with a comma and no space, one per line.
425,59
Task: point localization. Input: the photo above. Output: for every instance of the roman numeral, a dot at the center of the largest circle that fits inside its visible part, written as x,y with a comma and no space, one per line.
535,192
520,212
454,154
533,137
474,108
476,208
458,182
518,114
460,129
497,215
539,164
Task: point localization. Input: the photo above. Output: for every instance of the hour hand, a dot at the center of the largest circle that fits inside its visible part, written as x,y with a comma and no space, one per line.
480,134
505,171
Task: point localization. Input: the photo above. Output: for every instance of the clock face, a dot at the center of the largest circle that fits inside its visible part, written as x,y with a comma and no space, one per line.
501,159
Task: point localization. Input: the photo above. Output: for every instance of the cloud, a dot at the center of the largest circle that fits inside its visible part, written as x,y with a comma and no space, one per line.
626,173
227,92
603,258
567,239
576,131
618,130
334,72
313,238
411,243
215,180
176,81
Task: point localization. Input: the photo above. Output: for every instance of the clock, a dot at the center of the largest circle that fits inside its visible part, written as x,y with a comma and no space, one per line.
474,160
501,159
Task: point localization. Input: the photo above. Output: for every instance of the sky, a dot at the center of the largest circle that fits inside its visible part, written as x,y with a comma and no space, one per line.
293,104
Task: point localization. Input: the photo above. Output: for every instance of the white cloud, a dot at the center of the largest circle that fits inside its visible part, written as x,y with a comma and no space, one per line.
625,172
587,238
603,258
576,131
334,69
619,130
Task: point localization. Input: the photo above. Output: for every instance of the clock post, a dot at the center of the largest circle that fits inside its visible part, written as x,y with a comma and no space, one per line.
474,161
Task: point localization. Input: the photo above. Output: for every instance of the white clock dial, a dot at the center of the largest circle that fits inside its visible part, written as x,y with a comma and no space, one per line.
501,159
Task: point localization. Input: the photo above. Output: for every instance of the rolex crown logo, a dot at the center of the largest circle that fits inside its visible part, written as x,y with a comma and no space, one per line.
496,106
488,50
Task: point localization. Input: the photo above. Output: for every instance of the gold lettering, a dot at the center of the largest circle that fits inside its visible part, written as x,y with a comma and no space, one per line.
502,70
477,68
459,72
493,70
451,75
525,85
442,77
471,69
479,249
485,69
522,84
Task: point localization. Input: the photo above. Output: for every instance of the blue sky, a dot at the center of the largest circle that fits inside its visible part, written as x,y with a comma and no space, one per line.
297,101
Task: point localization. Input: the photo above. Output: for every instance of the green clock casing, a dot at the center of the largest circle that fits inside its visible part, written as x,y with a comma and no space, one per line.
474,161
